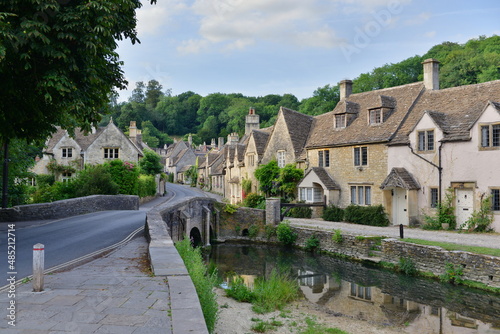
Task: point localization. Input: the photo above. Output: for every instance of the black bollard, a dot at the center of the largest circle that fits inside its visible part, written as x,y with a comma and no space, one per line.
401,231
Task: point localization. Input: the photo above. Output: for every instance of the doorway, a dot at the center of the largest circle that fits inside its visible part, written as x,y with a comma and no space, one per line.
400,207
465,205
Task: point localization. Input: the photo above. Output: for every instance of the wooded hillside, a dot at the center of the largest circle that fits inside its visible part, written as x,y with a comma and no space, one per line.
161,115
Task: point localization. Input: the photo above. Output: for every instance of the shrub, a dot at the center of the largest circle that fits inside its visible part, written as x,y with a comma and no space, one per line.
253,231
45,179
270,231
239,291
146,186
125,174
202,280
333,214
285,233
445,214
407,266
230,208
453,274
253,200
312,243
481,220
366,215
95,180
337,236
300,212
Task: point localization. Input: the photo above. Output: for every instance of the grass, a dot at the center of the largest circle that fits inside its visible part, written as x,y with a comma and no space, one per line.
202,280
452,247
261,326
269,294
315,328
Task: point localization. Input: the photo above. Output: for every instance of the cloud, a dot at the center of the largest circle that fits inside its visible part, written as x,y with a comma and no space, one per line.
430,34
419,19
152,18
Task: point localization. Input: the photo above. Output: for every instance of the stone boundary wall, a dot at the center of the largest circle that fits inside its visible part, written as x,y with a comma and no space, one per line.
187,315
232,225
476,267
69,207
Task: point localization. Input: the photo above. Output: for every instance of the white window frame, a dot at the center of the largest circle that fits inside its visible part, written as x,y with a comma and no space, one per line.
280,155
67,152
340,121
361,195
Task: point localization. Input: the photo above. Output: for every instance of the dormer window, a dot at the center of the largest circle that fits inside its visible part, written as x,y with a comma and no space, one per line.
67,152
340,121
490,135
376,116
425,140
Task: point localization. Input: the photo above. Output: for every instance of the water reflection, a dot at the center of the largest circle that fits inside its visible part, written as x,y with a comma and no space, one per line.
367,293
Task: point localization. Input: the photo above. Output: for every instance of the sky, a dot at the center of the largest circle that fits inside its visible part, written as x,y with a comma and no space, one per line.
261,47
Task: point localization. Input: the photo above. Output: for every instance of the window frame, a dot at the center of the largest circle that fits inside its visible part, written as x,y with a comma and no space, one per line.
360,156
324,158
111,153
361,195
426,140
492,140
67,152
375,116
434,197
340,121
280,157
495,199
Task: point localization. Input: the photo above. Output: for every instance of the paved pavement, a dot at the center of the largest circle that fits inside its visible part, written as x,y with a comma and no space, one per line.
108,295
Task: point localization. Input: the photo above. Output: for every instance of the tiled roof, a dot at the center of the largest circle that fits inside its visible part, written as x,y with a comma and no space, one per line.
325,178
359,131
298,126
260,137
400,178
455,110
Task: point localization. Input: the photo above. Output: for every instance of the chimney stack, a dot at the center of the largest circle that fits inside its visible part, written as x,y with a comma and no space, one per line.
221,143
132,130
190,140
345,89
431,73
252,121
233,138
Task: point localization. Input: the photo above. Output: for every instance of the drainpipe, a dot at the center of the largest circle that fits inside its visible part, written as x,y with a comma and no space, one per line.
438,166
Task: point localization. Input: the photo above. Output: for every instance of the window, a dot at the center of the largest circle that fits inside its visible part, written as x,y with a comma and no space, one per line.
111,153
495,199
375,116
426,140
361,195
306,194
340,121
251,160
281,159
361,156
67,152
324,158
66,177
361,292
434,197
490,135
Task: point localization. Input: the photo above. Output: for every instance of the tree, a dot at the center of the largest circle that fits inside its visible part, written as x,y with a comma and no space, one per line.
58,63
267,176
288,179
151,163
153,94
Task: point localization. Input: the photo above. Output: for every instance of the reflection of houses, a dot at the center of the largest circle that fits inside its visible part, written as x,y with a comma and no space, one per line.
101,145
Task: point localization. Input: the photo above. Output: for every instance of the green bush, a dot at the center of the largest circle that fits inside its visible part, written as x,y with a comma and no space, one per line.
366,215
146,186
312,243
300,212
333,214
45,179
239,291
480,221
445,214
407,266
270,231
285,233
453,274
337,236
253,231
95,180
125,174
253,200
203,281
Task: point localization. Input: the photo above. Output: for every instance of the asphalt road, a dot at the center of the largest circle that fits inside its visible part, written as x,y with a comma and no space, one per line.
64,240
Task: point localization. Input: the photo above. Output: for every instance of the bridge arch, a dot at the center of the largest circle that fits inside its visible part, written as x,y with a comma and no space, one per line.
195,236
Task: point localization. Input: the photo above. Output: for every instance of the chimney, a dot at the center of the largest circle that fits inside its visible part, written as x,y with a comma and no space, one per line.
190,140
431,74
132,130
233,138
252,121
345,89
213,142
221,143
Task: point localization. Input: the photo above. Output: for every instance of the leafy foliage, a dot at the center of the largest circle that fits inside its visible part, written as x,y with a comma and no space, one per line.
151,163
146,186
366,215
453,274
252,200
480,221
300,212
285,233
312,243
125,174
445,214
333,213
267,175
407,266
337,236
95,180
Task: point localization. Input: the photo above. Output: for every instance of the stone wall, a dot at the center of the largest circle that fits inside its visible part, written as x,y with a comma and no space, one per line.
69,207
476,267
238,224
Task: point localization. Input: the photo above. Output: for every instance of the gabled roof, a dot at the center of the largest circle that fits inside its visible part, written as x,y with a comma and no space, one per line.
324,177
455,110
400,99
260,138
400,178
298,126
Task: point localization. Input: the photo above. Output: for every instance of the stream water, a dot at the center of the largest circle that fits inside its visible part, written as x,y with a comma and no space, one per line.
366,293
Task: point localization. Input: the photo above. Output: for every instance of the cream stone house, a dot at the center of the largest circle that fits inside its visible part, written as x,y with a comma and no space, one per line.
101,145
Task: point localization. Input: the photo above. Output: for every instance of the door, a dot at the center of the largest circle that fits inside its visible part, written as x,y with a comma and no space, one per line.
399,207
465,205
